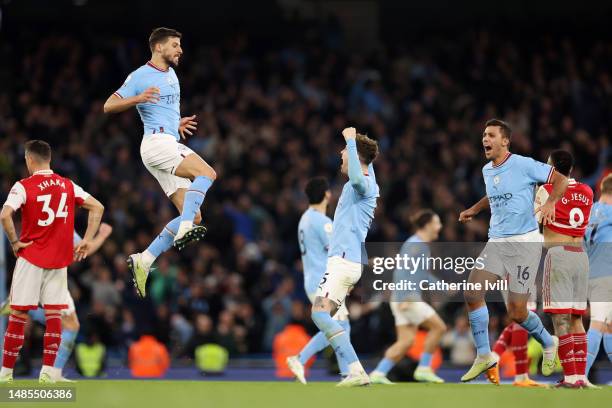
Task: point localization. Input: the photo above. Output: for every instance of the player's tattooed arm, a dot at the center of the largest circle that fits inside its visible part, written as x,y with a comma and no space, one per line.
547,210
115,103
6,217
474,210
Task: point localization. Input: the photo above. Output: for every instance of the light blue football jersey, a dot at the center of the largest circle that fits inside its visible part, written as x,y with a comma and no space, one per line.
352,219
511,191
598,241
417,248
163,116
314,231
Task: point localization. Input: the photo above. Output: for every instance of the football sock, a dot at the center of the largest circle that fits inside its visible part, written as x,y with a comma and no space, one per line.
607,341
519,349
194,197
479,322
384,366
594,340
504,340
425,360
13,341
164,240
338,338
566,357
580,354
317,343
65,348
52,338
534,326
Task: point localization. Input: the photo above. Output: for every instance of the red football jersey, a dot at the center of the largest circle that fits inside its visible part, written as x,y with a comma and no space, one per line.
572,211
47,203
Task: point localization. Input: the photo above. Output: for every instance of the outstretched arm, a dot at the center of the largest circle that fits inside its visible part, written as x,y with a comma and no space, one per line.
355,173
115,103
474,210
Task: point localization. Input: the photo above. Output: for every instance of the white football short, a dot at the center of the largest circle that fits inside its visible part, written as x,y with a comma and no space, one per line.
33,285
339,278
161,154
600,289
70,302
411,313
341,314
566,276
516,258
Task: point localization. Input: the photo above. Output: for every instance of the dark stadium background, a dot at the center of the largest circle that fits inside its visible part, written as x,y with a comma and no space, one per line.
273,83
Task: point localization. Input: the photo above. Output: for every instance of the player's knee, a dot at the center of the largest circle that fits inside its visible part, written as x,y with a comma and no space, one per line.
440,326
208,172
71,322
19,313
198,218
517,312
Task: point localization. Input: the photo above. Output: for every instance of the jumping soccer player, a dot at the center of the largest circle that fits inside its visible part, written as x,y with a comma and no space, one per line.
183,175
598,241
566,270
514,248
314,230
352,219
410,312
44,250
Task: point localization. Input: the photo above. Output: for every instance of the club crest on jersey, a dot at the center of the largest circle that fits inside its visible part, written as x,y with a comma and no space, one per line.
51,182
496,180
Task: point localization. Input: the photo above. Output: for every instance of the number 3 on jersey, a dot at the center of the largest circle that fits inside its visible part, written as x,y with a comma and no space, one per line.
51,215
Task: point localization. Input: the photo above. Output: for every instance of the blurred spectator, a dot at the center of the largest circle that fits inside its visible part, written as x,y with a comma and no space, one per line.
148,358
459,342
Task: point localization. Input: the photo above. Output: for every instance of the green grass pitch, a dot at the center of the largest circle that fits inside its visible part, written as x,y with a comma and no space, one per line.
175,394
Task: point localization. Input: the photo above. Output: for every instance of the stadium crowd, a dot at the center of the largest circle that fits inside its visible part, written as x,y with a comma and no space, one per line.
269,118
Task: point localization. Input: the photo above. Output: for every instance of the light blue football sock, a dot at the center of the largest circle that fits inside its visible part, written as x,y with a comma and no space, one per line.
384,366
65,348
479,322
164,240
194,197
337,336
607,341
317,343
342,365
534,326
593,343
425,360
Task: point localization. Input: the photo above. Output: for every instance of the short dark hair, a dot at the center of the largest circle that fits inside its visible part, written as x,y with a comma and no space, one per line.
367,148
606,184
161,34
562,161
504,127
316,189
39,148
421,218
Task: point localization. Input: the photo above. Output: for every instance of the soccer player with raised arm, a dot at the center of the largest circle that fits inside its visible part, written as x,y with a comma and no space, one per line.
409,310
566,270
183,175
314,230
44,250
352,219
598,239
515,246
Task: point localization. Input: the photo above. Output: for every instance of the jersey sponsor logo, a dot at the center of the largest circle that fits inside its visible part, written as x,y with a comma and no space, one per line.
500,198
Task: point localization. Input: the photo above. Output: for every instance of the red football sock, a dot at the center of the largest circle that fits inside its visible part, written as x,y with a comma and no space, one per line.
504,340
518,344
13,340
566,354
52,339
580,352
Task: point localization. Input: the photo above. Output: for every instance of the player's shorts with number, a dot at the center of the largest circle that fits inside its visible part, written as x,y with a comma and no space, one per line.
516,258
566,277
339,278
411,313
33,285
161,154
600,289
